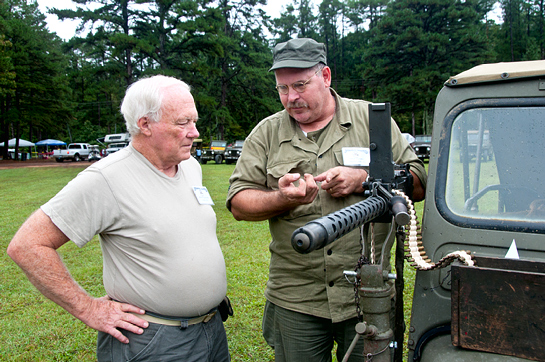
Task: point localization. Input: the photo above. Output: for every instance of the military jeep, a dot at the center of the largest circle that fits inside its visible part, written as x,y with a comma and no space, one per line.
233,151
215,152
485,195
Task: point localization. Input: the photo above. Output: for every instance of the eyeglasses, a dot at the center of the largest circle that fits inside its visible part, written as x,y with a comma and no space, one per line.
299,87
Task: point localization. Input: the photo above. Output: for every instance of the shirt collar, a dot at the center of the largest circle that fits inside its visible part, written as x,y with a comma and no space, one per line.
288,126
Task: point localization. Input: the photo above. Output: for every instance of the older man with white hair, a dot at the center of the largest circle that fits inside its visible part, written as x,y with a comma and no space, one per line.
164,272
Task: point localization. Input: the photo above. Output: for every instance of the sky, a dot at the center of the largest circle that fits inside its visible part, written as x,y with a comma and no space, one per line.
67,28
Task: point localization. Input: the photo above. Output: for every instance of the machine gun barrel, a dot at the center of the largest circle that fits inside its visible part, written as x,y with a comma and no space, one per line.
318,233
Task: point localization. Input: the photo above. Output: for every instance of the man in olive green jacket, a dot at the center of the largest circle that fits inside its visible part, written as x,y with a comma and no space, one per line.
292,171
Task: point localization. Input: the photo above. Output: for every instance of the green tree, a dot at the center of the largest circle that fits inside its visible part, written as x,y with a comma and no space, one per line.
413,49
331,20
297,21
37,105
7,76
111,24
7,89
363,14
522,32
232,86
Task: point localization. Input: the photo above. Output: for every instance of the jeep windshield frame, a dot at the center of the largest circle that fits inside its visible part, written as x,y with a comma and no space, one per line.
503,192
216,143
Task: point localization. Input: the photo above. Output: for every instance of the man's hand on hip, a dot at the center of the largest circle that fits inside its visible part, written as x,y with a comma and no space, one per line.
109,316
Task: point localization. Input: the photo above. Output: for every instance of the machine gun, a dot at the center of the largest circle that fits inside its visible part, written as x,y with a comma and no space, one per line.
383,204
388,187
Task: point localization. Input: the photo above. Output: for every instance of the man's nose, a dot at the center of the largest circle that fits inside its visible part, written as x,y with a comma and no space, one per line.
193,132
292,94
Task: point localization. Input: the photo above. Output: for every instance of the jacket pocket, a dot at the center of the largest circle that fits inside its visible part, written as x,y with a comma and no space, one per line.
302,166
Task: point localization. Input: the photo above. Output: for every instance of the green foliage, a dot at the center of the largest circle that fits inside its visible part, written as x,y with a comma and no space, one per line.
416,45
522,33
35,329
37,103
400,51
7,76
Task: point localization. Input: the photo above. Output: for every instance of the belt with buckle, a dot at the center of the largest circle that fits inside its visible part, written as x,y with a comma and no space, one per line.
177,322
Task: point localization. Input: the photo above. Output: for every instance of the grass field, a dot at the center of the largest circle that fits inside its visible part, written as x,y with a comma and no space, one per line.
35,329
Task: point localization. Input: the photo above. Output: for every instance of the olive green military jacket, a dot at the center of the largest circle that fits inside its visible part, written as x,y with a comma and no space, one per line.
311,283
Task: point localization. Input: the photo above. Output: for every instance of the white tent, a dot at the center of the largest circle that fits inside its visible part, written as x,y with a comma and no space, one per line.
22,143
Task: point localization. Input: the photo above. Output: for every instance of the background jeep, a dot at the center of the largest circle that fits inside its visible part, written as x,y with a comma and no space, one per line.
215,152
232,152
422,146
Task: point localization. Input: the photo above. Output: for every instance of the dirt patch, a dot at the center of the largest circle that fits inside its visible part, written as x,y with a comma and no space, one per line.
37,162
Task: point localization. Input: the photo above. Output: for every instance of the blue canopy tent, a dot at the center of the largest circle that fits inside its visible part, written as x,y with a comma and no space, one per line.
50,142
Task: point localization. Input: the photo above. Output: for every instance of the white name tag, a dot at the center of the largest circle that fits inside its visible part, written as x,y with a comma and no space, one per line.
202,195
356,156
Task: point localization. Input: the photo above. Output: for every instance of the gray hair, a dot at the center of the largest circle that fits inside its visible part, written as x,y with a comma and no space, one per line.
144,99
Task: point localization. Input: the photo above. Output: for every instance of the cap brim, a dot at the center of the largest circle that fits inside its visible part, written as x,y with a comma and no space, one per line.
290,63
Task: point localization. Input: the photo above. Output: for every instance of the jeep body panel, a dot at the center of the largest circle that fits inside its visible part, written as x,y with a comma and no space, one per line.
481,206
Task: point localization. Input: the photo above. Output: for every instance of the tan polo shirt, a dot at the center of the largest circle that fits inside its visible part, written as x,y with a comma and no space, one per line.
313,283
158,241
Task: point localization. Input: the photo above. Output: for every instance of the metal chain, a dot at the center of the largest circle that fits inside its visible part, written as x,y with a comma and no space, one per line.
361,262
373,243
369,356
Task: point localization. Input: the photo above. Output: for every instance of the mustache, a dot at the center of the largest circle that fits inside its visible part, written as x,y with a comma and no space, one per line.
297,104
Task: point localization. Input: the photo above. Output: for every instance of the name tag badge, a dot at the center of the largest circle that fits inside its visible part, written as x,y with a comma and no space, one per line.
356,156
202,195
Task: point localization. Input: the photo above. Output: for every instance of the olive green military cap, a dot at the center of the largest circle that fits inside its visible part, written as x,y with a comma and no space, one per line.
298,53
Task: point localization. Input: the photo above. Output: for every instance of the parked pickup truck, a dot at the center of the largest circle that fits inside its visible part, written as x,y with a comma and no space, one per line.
74,152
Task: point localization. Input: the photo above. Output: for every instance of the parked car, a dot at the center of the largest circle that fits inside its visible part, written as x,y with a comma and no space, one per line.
422,146
232,152
214,152
114,147
116,142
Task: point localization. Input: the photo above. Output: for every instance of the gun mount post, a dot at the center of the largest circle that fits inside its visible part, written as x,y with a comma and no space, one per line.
380,143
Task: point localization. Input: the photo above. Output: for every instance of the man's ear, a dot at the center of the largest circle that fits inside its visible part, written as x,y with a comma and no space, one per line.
144,124
326,74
